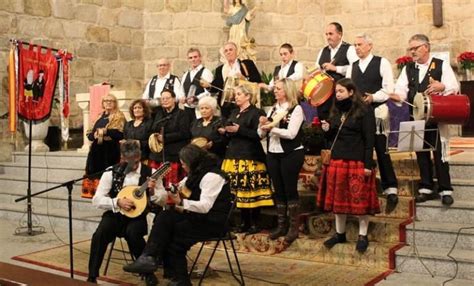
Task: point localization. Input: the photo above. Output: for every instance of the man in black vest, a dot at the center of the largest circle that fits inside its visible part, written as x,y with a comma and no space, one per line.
335,58
373,77
432,76
233,67
202,215
163,80
129,172
193,91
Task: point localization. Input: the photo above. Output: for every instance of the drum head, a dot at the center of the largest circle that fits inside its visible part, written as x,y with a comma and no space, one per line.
155,145
199,141
419,102
319,88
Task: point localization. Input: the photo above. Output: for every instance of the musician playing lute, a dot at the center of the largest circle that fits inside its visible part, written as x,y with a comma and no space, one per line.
113,224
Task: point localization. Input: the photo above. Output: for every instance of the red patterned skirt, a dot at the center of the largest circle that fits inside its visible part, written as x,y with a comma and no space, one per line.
344,189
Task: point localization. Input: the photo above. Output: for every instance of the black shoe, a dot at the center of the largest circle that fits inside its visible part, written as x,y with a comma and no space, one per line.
362,243
179,283
392,201
335,239
447,200
92,280
151,280
421,198
143,264
241,228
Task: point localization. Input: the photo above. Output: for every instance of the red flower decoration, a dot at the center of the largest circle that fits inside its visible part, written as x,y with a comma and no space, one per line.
402,61
466,60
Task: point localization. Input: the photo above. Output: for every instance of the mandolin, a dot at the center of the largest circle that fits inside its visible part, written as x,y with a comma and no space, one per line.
138,194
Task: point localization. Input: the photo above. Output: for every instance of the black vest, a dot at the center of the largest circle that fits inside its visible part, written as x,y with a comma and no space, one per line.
369,81
168,85
435,71
291,70
220,209
340,59
117,180
188,82
288,145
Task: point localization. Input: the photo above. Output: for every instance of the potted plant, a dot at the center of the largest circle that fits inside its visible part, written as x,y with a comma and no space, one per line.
466,62
267,98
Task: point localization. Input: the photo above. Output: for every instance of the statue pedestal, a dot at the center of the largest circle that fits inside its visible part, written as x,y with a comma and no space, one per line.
39,131
83,100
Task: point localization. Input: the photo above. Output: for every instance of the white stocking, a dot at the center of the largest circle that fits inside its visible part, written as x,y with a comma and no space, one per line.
341,223
363,224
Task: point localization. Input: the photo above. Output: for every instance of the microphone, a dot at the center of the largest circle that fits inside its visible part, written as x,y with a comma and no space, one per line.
125,167
163,119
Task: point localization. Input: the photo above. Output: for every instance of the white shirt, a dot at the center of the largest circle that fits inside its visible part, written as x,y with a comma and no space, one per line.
385,72
102,200
296,119
231,70
211,185
351,56
160,84
448,78
297,75
206,75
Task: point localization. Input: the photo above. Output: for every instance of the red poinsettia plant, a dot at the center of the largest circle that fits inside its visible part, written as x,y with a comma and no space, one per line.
402,61
466,60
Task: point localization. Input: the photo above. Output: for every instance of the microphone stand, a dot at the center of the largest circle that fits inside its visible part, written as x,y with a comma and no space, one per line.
69,185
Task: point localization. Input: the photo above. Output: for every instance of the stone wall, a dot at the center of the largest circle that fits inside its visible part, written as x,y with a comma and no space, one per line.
105,37
128,37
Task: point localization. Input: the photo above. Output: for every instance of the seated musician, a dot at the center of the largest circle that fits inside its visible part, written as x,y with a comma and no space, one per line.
201,216
113,224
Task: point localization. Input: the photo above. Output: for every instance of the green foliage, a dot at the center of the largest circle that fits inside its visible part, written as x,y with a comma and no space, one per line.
267,98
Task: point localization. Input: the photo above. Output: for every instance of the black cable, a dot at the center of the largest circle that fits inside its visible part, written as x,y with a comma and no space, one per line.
452,258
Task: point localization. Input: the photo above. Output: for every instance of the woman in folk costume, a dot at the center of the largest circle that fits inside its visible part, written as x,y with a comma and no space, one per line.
348,182
244,160
105,135
285,156
139,128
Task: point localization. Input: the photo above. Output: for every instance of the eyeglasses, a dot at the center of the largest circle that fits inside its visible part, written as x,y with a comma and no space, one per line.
414,49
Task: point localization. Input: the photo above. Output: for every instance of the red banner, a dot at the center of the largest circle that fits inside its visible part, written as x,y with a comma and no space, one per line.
37,75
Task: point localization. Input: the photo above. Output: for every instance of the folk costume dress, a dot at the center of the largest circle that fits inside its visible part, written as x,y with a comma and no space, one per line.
344,187
244,161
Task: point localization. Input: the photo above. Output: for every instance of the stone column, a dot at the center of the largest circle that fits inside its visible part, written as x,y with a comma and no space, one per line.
82,100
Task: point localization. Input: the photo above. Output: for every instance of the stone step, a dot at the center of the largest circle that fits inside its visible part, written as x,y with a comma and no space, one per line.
381,229
83,220
18,184
45,173
441,235
411,279
71,159
437,261
56,202
460,212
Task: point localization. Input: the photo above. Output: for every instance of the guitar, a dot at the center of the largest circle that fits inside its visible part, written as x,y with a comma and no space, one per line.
138,194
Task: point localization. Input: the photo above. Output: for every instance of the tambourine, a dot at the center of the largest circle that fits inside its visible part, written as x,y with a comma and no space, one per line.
276,118
200,141
155,145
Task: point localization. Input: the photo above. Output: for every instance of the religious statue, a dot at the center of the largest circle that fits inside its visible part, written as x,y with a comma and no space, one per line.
239,17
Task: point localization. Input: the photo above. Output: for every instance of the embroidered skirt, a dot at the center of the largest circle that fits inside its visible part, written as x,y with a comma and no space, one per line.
344,189
249,181
174,176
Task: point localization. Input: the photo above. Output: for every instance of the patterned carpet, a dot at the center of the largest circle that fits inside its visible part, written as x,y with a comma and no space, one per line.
258,269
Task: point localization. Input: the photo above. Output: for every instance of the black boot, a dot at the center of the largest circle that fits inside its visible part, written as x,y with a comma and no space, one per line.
254,218
244,221
362,243
293,213
282,226
335,239
151,280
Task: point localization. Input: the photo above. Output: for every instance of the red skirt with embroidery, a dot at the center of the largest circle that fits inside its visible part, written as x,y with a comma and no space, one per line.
344,189
174,176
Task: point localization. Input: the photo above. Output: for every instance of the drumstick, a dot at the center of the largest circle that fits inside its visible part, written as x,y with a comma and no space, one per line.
208,83
412,105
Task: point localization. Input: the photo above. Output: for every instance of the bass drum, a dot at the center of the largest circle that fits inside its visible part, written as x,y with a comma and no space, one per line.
319,87
448,109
